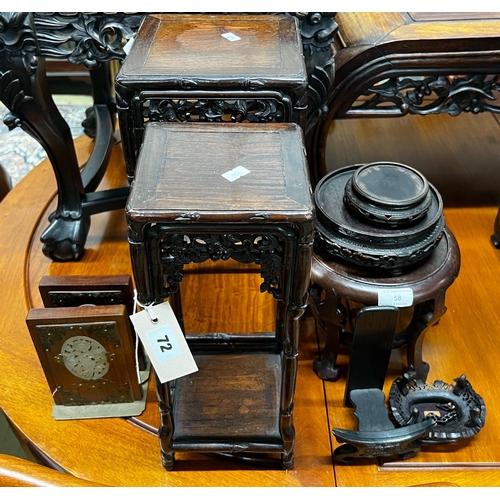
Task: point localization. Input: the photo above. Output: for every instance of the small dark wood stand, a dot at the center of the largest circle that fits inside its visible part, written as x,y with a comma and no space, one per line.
73,291
182,210
458,410
380,229
211,68
338,281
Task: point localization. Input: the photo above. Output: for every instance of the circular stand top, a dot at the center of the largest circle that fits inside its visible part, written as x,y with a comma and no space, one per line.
382,215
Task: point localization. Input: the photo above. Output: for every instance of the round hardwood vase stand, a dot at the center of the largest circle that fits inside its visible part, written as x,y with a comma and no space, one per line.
381,240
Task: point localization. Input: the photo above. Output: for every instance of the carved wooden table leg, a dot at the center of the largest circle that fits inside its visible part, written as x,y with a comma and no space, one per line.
426,315
24,91
317,30
166,429
25,40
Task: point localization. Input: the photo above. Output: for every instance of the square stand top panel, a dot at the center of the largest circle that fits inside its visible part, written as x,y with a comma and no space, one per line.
190,172
175,51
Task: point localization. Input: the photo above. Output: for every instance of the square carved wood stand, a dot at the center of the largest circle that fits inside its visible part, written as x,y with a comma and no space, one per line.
210,68
184,208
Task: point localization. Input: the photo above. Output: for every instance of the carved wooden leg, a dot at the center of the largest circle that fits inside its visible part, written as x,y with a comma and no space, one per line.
166,430
329,317
317,30
129,135
288,434
416,331
287,460
289,377
168,460
25,93
176,304
24,90
141,263
104,124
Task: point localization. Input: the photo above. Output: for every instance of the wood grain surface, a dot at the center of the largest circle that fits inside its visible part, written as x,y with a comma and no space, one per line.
15,471
257,46
379,28
172,180
126,452
458,154
118,451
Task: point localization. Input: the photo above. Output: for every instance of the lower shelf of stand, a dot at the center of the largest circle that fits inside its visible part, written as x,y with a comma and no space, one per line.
231,402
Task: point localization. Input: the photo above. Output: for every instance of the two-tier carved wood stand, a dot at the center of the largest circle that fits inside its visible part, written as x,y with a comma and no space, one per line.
183,210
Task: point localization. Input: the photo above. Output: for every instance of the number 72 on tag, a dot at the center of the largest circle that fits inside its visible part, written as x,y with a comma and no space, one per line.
163,343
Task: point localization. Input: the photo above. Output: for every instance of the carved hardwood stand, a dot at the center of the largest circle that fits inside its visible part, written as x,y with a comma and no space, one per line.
264,217
380,230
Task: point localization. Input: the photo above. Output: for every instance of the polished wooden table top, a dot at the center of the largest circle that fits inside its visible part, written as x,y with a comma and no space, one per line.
411,29
126,452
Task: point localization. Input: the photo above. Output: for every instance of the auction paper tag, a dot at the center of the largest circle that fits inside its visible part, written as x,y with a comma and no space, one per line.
231,37
398,297
235,173
128,46
164,342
